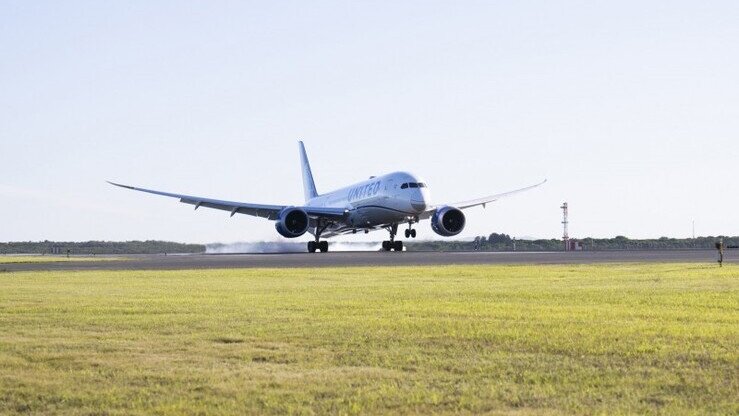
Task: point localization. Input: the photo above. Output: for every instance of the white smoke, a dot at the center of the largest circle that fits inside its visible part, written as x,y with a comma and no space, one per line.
260,247
348,246
285,247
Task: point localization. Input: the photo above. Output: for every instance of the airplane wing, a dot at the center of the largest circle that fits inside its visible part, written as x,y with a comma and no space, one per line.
480,201
258,210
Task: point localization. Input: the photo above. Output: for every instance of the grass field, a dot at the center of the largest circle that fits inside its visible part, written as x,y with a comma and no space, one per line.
52,259
612,339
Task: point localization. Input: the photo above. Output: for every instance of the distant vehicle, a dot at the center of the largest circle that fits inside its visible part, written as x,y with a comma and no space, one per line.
382,202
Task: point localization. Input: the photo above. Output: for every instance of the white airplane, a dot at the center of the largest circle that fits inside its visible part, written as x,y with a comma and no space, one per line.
381,202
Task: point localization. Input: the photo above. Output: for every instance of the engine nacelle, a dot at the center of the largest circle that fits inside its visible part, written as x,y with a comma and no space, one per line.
292,222
448,221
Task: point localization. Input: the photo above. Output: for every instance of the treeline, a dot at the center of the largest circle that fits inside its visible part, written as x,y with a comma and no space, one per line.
99,247
493,242
504,242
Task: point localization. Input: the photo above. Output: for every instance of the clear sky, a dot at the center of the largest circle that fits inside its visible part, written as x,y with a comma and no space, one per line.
629,108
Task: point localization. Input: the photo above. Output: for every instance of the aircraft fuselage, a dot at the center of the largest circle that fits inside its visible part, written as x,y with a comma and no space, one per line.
377,202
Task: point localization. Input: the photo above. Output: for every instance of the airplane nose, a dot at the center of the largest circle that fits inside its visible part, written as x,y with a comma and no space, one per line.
419,206
418,202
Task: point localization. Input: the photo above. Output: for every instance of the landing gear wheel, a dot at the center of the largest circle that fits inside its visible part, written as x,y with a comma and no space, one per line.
408,233
392,244
318,244
413,233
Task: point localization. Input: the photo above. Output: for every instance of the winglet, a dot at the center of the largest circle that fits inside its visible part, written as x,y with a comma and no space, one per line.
120,185
309,187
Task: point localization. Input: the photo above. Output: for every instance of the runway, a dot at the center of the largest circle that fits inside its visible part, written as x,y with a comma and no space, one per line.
365,258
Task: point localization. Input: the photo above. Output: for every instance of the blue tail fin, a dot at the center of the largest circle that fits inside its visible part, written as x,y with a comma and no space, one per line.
309,187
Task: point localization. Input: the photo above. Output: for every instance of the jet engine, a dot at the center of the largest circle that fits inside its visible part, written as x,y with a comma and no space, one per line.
292,222
447,221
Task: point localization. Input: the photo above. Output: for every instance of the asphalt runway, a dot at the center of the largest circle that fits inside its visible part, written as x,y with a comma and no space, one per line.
371,258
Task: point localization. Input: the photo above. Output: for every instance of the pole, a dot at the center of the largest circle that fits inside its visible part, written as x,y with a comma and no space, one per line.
565,222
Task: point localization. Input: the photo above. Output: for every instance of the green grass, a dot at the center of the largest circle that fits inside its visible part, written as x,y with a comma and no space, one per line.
52,259
612,339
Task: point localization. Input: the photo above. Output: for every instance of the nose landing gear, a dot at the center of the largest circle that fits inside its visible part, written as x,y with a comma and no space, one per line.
410,232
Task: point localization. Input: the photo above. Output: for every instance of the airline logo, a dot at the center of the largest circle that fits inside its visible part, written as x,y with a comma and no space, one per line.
366,191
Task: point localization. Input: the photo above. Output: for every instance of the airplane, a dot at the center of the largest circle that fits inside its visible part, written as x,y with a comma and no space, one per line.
380,202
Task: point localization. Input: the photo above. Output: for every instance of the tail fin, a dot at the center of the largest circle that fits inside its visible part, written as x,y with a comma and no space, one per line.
309,187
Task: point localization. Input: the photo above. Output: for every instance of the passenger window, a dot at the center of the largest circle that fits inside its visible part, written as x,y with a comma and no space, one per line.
404,186
413,185
421,185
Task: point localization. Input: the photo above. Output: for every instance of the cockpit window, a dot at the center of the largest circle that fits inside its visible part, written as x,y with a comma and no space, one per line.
421,185
404,186
413,185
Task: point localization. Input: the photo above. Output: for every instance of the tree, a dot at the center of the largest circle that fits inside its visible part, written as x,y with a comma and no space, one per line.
496,238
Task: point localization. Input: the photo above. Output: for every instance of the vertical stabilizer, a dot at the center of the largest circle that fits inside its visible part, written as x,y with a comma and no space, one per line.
309,187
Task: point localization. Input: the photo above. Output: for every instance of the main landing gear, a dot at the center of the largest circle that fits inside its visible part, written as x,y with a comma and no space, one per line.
319,245
322,246
392,244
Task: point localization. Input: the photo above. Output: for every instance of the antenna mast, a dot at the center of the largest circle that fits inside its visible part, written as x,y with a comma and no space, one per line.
565,222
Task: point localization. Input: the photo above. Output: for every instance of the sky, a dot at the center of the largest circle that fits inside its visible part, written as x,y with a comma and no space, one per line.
630,109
